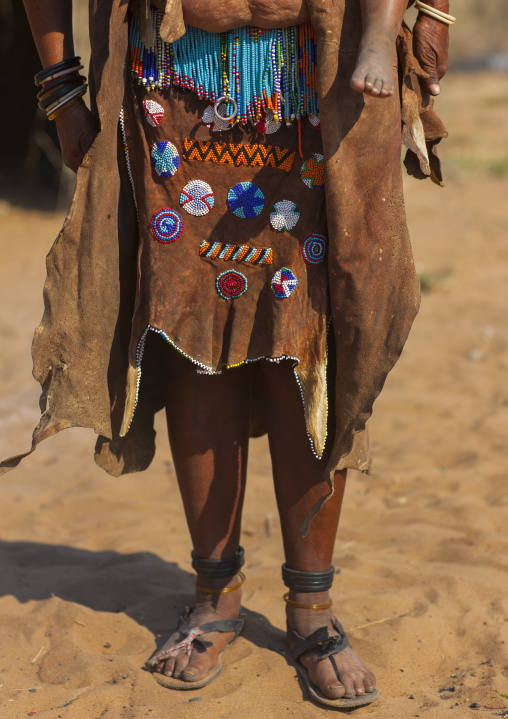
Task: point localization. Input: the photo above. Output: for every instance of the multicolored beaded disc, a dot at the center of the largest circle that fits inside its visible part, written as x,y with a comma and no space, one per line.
313,171
284,216
231,284
268,125
314,249
284,282
197,198
165,158
167,225
246,200
153,112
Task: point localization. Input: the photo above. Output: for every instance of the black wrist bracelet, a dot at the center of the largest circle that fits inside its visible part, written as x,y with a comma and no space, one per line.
54,85
57,67
53,97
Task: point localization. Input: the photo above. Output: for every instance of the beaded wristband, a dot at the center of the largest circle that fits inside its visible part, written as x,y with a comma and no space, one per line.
49,72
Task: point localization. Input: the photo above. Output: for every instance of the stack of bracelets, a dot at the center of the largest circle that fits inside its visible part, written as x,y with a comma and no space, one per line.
433,12
61,86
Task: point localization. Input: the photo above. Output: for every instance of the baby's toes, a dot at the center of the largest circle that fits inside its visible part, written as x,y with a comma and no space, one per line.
377,86
387,88
370,83
358,82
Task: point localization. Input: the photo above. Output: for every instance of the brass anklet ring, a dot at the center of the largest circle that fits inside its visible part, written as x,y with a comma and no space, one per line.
225,590
300,605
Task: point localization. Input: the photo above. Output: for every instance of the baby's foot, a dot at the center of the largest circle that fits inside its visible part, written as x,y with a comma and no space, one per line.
373,71
354,679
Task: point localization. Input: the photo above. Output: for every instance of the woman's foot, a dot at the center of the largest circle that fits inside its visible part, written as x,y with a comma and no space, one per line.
354,679
373,71
207,608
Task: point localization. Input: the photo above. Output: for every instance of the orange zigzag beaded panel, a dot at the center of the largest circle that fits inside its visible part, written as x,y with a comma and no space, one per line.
228,153
240,253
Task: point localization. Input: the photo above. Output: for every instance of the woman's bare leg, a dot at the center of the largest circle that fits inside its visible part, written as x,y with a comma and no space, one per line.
208,425
381,21
298,477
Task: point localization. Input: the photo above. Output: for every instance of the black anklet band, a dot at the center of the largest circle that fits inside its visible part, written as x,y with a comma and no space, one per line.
218,568
307,581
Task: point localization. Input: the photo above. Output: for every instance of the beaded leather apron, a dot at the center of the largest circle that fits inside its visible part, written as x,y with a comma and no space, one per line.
232,224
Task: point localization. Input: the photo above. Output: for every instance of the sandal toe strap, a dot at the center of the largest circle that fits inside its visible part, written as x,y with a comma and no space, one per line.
194,635
319,641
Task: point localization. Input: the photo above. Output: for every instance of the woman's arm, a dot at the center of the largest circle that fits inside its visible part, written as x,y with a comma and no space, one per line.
51,25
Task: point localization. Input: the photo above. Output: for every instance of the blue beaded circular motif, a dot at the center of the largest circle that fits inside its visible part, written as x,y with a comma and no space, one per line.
167,225
165,158
314,249
246,200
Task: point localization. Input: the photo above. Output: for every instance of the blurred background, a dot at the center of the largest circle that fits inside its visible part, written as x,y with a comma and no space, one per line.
423,542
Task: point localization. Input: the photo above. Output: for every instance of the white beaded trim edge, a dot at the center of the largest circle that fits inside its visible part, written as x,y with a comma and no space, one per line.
128,160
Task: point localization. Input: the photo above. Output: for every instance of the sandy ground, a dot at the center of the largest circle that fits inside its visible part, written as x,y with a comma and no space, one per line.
95,570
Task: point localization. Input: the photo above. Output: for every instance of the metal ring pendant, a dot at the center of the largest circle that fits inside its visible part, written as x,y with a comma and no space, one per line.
225,118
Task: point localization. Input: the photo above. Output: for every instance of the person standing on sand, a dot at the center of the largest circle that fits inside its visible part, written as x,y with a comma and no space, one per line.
236,289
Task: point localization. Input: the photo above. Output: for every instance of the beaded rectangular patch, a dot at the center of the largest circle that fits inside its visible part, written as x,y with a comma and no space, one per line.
228,153
240,253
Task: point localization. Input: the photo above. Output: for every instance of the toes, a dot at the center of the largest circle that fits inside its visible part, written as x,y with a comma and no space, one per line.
370,84
369,682
167,668
181,663
322,674
358,82
387,89
336,690
349,686
198,666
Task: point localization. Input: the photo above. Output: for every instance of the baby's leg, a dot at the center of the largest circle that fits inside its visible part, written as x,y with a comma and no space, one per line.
381,20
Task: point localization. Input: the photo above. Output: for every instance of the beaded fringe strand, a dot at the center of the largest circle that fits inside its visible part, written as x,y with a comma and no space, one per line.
265,71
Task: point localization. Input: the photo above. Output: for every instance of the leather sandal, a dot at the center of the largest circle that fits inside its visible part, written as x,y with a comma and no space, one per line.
207,568
320,642
194,635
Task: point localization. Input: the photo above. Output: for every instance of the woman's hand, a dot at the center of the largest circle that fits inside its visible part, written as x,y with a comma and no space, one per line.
430,46
77,129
